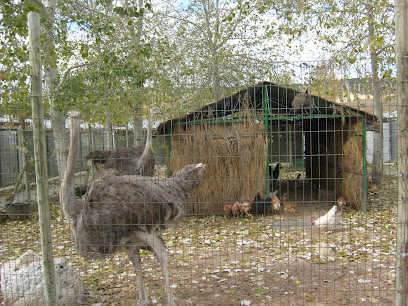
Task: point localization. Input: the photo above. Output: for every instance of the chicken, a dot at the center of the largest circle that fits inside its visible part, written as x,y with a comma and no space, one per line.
260,206
228,209
266,206
274,174
246,207
276,203
236,209
329,219
289,208
341,202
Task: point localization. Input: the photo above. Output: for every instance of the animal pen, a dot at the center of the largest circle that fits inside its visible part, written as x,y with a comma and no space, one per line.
243,135
216,252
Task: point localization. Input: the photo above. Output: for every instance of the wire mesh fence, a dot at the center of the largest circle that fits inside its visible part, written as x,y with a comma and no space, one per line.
259,226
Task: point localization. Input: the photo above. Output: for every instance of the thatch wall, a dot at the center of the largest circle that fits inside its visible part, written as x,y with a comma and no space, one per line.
235,155
352,168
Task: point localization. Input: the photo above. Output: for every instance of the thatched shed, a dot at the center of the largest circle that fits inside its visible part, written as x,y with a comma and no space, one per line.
239,137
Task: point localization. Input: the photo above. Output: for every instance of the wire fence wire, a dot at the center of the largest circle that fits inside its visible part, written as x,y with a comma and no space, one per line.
273,168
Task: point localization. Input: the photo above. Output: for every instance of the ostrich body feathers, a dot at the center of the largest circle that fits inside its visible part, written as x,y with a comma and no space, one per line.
129,160
302,101
117,206
125,213
124,160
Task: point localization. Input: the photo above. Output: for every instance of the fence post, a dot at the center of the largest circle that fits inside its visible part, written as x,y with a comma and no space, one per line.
401,29
40,156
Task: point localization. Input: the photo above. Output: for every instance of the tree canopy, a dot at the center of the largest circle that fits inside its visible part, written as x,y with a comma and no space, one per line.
120,54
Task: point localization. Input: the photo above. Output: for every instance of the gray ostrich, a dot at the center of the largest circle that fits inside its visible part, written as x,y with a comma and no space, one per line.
302,102
125,213
129,160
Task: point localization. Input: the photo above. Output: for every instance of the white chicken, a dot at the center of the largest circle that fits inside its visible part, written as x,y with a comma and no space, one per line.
329,219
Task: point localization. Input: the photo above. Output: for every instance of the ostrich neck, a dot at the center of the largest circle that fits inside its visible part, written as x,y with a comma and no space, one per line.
148,141
67,196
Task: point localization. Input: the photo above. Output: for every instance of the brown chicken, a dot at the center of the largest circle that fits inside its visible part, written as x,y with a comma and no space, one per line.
341,202
236,209
288,207
228,209
276,203
246,207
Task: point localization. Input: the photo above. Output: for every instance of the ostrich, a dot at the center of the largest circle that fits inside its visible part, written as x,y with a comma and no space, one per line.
125,213
302,101
129,160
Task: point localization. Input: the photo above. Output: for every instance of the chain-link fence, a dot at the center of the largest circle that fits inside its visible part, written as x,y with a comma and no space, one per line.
283,212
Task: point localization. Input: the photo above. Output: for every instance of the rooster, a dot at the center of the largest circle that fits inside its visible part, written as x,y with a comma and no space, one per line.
329,219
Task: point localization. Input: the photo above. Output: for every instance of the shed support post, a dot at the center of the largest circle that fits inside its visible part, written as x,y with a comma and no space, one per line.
364,167
268,136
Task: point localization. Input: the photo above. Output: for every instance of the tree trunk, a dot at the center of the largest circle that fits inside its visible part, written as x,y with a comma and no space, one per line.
137,112
216,76
109,130
51,81
24,168
137,126
378,110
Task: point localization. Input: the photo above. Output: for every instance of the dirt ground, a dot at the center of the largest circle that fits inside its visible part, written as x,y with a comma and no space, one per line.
274,260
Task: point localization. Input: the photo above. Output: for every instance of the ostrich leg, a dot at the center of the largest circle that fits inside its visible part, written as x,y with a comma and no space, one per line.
134,257
154,241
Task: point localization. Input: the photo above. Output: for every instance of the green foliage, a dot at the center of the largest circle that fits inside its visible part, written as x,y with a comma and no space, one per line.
14,71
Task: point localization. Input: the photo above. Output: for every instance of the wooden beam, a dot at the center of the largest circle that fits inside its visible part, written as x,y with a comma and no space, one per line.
40,156
401,29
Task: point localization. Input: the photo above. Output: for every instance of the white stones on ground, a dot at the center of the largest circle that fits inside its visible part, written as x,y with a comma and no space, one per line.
22,281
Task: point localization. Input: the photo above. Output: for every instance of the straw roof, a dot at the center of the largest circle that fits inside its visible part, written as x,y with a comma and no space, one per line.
280,104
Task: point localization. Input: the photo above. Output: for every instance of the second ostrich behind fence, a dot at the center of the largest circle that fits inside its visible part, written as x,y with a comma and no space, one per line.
125,213
129,160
